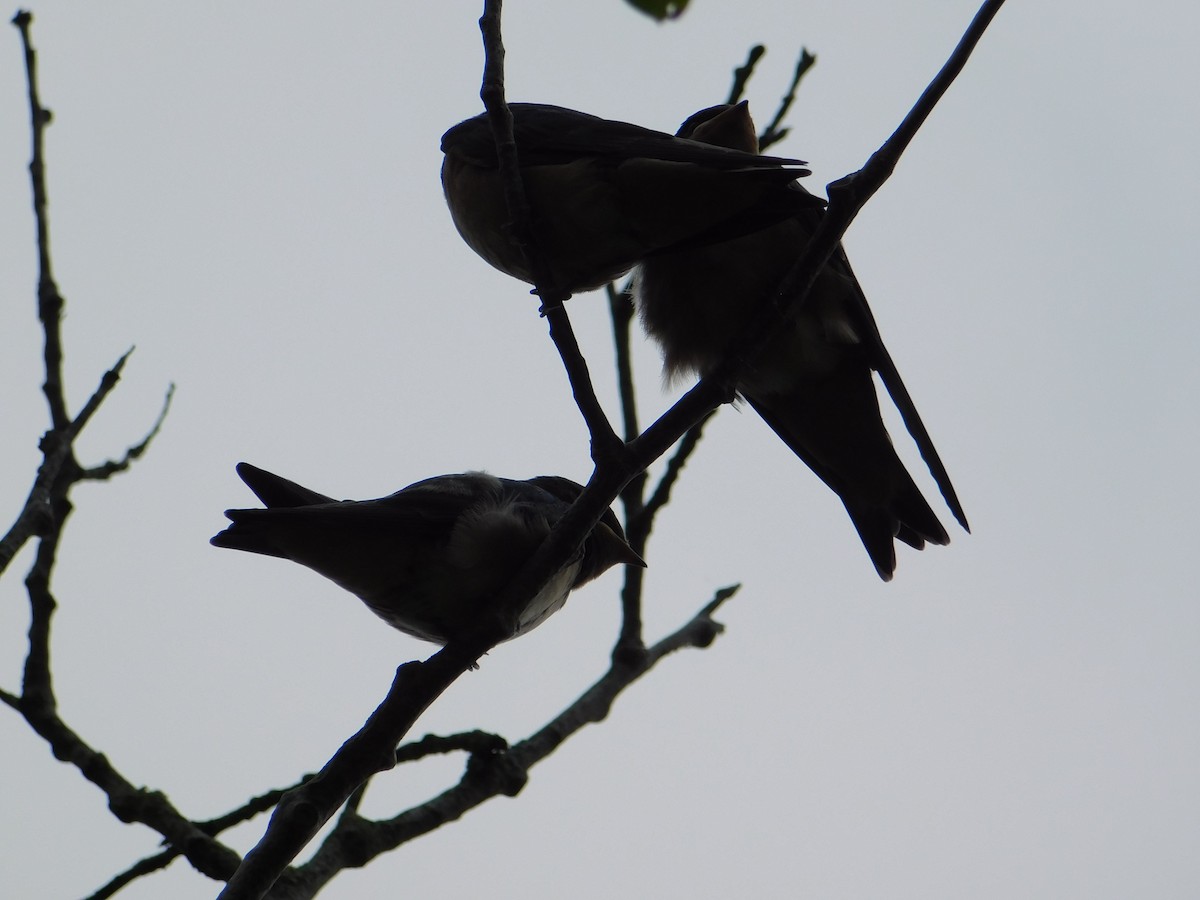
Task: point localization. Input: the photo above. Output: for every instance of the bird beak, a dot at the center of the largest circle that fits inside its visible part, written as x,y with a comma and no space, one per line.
733,128
616,548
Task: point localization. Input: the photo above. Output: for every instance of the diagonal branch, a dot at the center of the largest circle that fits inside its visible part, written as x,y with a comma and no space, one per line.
139,869
773,133
302,812
743,73
644,524
848,195
502,772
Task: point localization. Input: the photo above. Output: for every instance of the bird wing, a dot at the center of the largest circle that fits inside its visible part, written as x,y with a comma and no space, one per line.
423,513
548,135
881,361
834,426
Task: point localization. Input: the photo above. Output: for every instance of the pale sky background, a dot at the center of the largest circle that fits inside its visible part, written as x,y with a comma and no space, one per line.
249,193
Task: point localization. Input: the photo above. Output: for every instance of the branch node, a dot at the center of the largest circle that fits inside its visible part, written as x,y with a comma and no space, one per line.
630,656
497,772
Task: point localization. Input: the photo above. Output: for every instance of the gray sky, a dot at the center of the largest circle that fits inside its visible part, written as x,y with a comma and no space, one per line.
249,194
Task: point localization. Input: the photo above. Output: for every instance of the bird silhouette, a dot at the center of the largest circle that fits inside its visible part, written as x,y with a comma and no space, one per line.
430,558
604,195
812,382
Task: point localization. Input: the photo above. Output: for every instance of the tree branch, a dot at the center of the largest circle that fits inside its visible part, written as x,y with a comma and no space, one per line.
500,772
302,812
644,524
108,469
848,195
45,514
773,133
142,867
743,73
471,741
50,302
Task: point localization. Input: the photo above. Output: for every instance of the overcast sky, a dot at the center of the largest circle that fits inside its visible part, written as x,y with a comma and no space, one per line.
249,193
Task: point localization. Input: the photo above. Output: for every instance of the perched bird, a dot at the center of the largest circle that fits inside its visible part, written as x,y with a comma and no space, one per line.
604,195
812,382
430,557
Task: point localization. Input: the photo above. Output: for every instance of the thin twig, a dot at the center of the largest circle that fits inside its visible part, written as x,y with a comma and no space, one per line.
50,301
504,773
773,133
469,741
350,808
629,640
58,457
248,810
139,869
151,864
662,491
848,195
620,305
106,470
742,74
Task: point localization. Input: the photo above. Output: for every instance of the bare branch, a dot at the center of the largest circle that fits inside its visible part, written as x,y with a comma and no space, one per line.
470,741
248,810
621,310
37,705
620,304
147,866
773,133
848,195
57,460
44,514
662,491
350,807
742,74
302,812
50,302
212,827
106,470
502,772
639,525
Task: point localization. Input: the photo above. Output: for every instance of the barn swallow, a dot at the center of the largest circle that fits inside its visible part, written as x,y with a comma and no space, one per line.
604,195
812,382
429,558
